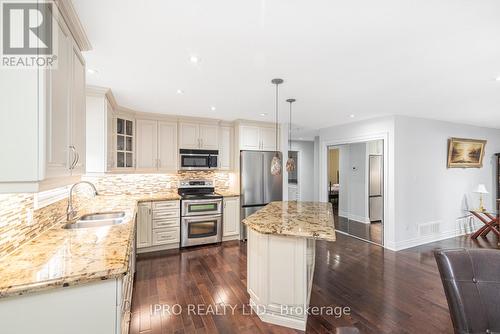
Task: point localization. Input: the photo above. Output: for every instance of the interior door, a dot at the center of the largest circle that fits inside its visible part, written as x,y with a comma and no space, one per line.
167,146
251,170
147,157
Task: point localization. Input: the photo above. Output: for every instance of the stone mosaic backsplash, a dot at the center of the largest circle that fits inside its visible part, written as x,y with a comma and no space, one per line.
20,222
130,184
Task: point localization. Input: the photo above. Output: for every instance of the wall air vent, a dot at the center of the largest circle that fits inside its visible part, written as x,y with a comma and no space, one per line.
430,228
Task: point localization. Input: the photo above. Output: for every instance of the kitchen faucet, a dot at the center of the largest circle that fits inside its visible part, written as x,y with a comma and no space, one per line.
70,212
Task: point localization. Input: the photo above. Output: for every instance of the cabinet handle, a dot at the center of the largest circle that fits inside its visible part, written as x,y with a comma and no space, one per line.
77,159
72,165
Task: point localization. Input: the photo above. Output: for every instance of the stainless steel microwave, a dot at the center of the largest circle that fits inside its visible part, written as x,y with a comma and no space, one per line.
198,159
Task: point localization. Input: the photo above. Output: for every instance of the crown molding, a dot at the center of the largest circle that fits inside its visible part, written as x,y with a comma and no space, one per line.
74,24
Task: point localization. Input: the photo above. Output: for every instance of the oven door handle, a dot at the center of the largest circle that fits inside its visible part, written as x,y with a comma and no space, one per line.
189,201
197,219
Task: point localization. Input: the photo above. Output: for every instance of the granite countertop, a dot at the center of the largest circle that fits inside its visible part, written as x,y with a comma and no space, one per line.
64,257
295,219
228,193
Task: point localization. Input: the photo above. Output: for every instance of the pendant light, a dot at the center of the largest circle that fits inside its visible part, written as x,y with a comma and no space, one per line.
290,163
276,162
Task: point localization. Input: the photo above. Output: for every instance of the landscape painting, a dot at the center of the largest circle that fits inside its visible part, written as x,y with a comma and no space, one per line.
465,153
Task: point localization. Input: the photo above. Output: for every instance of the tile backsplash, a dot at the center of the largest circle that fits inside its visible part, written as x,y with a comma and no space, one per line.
113,184
21,222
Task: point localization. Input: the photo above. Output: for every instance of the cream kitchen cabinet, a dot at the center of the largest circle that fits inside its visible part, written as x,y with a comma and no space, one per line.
231,218
226,147
144,225
100,130
156,145
158,226
68,310
257,138
42,128
198,136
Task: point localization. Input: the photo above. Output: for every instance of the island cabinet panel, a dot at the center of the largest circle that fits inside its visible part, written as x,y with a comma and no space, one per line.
280,277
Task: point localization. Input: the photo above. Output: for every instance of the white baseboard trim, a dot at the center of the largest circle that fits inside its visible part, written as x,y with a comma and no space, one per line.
277,319
400,245
360,219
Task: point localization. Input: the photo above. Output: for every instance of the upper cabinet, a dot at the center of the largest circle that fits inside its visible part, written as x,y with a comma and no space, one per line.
198,136
156,145
226,147
101,125
125,134
257,138
42,130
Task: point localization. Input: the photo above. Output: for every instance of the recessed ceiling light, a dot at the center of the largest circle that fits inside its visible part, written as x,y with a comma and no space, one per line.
352,116
498,78
263,114
212,108
194,59
180,91
91,71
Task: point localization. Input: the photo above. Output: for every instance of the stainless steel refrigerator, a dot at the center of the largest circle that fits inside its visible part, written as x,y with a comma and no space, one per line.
258,187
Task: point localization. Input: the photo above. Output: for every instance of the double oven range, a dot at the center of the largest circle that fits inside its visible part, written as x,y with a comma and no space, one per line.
201,213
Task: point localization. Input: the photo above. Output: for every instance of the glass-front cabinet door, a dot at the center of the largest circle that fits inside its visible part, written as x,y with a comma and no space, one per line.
124,143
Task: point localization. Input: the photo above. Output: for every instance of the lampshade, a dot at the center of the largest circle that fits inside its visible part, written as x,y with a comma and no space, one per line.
481,189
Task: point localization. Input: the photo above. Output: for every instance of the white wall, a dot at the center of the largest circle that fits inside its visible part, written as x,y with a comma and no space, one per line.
426,190
305,169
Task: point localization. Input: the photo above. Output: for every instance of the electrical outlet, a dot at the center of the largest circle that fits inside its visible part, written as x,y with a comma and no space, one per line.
29,217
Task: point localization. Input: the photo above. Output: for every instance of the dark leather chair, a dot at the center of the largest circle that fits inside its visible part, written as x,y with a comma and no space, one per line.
471,280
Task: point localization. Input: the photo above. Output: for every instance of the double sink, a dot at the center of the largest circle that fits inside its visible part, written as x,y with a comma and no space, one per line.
98,219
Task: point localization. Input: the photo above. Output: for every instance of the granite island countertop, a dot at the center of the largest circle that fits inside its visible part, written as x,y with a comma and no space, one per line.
296,219
61,257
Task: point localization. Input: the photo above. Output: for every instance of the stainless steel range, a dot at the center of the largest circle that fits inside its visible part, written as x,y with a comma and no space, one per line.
201,213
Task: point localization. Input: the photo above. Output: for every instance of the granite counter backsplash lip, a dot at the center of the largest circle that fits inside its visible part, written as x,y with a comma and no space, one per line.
295,219
64,257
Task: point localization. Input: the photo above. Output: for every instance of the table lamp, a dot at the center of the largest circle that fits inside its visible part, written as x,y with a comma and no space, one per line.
481,189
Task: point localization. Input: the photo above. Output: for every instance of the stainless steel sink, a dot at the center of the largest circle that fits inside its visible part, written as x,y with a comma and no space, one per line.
103,216
98,219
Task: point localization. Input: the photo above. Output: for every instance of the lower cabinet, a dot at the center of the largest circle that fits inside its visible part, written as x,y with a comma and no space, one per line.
231,218
158,226
100,307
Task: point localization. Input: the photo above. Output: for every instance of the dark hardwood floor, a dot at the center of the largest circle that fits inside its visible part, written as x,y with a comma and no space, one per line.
387,292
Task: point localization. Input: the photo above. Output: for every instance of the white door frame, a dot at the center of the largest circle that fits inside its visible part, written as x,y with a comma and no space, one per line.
323,170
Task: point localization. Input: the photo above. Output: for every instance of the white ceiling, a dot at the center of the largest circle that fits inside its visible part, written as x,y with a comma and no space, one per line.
426,58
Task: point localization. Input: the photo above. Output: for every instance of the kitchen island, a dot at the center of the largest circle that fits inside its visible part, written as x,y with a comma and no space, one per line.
280,258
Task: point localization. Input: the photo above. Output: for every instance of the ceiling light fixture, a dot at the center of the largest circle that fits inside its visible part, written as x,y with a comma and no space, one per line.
498,78
194,59
263,114
276,161
352,116
91,71
290,163
180,91
212,108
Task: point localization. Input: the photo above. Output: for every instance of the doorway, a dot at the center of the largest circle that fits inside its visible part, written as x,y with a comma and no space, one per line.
356,188
293,179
